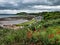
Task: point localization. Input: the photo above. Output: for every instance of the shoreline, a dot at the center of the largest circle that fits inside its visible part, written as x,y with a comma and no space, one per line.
10,22
27,17
15,20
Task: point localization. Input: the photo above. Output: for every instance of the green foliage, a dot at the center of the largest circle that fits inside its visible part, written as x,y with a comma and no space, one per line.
51,15
46,32
22,13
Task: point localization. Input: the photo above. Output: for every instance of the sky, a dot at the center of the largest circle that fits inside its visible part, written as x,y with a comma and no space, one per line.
15,6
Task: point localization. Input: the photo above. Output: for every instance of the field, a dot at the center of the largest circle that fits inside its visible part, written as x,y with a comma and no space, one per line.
44,32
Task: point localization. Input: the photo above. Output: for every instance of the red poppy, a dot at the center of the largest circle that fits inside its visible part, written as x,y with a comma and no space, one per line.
29,34
50,35
58,32
32,43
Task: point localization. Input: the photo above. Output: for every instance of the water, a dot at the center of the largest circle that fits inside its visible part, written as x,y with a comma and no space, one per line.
11,21
7,15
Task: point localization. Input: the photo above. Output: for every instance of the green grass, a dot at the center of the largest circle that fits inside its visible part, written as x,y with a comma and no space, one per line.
45,32
45,36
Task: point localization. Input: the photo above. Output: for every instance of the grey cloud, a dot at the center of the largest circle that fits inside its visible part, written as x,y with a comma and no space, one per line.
25,4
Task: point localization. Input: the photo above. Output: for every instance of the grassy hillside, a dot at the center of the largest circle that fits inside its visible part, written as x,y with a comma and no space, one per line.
45,32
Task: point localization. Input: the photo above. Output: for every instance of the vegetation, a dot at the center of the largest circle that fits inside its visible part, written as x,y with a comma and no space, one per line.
51,15
44,32
24,13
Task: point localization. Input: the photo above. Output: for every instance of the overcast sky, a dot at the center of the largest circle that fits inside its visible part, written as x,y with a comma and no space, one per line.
14,6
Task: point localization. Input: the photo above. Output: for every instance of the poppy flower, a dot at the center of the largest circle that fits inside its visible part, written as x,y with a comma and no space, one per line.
29,34
58,32
50,35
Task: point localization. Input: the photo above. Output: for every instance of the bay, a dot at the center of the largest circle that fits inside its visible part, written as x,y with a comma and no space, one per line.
11,20
7,15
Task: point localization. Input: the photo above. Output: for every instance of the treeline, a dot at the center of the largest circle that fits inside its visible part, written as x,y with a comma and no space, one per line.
46,15
24,13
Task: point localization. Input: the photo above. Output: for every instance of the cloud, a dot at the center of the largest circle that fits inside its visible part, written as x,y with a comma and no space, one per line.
2,1
8,11
44,2
24,4
29,11
9,6
45,7
17,11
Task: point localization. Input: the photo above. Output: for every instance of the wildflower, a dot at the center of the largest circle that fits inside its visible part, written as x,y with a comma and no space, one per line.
50,35
58,32
29,34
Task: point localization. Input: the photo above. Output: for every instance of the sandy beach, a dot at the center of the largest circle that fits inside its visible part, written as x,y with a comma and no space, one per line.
10,23
12,20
